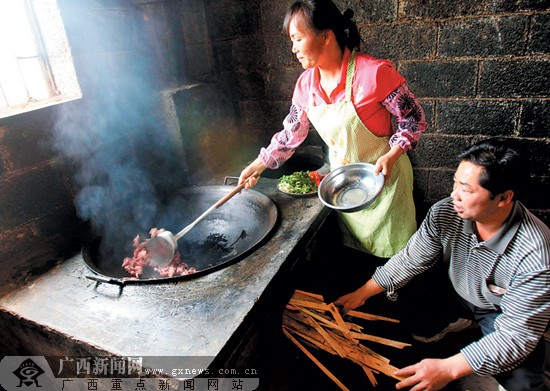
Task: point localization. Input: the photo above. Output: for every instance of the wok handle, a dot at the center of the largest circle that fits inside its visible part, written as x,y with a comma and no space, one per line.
227,179
106,280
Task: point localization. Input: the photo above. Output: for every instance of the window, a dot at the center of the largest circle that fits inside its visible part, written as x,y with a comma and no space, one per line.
36,68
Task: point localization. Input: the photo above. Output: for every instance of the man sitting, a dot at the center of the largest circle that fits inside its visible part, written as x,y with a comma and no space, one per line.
497,254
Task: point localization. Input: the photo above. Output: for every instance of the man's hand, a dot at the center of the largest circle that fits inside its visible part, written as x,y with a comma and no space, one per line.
433,374
357,299
350,301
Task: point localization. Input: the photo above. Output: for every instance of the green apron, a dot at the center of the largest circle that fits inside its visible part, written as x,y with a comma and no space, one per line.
384,227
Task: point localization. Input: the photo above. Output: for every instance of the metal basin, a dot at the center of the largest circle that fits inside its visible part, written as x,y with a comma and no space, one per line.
351,187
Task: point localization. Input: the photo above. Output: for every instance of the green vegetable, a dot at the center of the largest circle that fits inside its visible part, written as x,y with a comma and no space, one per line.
297,183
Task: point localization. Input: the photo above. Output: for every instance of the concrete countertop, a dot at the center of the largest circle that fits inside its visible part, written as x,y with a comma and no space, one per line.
196,317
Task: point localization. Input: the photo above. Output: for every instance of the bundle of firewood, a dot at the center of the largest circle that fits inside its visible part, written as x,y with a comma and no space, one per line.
309,320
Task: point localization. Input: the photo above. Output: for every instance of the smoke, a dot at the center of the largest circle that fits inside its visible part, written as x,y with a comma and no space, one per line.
124,156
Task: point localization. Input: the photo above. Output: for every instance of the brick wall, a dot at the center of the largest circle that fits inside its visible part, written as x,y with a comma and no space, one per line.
480,68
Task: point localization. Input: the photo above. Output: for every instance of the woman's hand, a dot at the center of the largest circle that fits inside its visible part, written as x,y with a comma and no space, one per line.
385,162
256,166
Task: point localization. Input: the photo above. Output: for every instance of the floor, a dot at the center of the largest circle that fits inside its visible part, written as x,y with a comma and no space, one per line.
285,368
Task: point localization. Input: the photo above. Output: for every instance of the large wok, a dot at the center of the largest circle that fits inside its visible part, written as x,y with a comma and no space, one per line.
225,236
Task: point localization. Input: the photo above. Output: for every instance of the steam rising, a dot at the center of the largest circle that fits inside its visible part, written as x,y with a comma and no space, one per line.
125,158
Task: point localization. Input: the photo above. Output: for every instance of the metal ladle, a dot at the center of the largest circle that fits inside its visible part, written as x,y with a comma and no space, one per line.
162,248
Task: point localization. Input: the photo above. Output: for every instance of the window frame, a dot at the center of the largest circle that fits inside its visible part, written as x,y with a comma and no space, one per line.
58,60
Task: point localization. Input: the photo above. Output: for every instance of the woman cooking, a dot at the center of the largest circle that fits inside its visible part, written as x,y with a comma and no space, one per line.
349,98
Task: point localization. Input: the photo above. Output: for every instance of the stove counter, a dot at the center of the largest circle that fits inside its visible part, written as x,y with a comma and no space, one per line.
64,313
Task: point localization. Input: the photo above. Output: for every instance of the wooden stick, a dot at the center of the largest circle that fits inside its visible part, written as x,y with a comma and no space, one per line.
309,304
336,346
339,321
366,316
303,328
307,333
369,353
291,307
354,327
325,321
311,295
370,375
384,341
312,341
381,366
317,362
321,326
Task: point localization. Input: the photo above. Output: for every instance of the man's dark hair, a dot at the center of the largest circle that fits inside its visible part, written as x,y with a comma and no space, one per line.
502,168
324,15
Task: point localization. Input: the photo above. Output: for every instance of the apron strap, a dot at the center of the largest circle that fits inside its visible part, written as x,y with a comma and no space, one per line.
349,76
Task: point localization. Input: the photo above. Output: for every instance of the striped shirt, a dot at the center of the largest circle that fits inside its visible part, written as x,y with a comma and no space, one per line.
508,273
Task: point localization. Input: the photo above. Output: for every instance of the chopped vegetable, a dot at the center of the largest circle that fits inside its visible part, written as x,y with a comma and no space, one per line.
300,182
315,177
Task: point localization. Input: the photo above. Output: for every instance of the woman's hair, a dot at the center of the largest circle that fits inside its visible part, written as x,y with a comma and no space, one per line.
323,15
502,166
